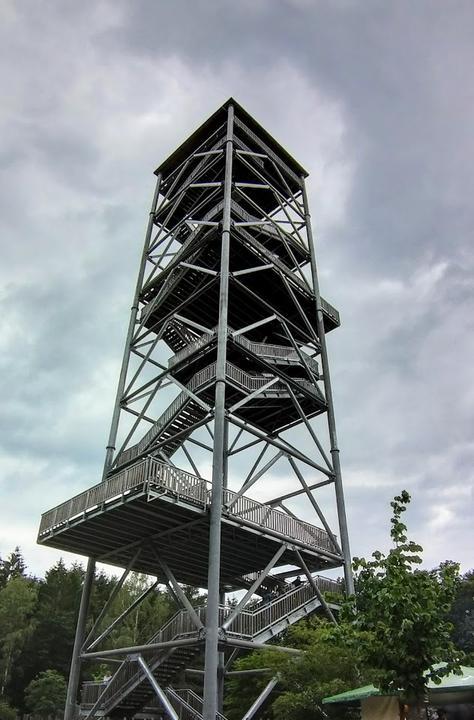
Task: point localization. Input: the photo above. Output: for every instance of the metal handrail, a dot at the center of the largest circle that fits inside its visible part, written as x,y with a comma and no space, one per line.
192,348
178,626
199,380
284,352
190,702
255,513
191,489
249,624
148,470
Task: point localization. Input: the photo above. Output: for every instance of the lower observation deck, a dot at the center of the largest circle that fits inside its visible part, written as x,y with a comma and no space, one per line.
159,511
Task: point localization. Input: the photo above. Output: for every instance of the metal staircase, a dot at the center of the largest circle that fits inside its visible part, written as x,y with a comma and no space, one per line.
188,704
169,431
129,690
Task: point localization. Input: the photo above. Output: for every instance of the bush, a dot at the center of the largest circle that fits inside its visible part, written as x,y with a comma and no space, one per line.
7,712
46,694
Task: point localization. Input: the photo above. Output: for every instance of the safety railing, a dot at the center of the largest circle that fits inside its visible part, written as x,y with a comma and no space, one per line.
95,496
249,624
197,381
189,703
266,350
179,626
252,622
241,378
264,516
91,691
189,488
276,352
204,340
148,470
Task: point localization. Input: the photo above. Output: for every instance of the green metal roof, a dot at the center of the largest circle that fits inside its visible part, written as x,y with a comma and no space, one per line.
352,695
449,684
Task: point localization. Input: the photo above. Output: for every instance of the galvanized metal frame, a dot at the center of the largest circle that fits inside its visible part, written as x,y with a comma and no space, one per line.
265,215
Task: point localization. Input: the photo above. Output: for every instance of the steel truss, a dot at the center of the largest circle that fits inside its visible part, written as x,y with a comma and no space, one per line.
225,378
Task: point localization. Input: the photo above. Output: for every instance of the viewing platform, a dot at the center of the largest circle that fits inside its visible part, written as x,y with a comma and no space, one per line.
153,507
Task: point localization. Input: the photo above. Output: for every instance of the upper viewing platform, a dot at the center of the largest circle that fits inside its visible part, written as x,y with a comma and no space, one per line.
213,129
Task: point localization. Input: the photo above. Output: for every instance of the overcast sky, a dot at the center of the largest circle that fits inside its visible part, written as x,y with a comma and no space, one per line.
374,98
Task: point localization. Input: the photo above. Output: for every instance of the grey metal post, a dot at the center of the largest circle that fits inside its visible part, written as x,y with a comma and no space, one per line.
211,659
156,687
314,585
109,454
261,699
74,674
341,510
75,670
221,660
221,669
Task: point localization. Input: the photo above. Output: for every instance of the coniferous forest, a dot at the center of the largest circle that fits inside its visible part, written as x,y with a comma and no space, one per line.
37,625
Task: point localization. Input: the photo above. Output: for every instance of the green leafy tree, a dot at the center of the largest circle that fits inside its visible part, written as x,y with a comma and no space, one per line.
404,611
326,665
46,694
17,600
6,711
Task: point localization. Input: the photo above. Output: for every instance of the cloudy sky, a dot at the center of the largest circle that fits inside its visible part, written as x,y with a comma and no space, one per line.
374,98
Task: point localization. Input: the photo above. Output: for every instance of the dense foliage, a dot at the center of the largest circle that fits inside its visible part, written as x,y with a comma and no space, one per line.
407,620
402,622
325,666
405,613
38,619
46,695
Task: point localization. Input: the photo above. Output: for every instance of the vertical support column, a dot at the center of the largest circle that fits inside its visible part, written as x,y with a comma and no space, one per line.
75,670
341,510
74,673
221,670
211,658
221,661
109,454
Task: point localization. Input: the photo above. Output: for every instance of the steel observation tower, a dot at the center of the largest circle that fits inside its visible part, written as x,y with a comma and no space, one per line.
222,465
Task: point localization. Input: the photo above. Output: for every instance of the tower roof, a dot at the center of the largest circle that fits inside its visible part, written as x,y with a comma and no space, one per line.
212,124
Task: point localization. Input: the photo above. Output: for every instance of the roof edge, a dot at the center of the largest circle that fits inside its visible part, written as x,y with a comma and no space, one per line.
198,135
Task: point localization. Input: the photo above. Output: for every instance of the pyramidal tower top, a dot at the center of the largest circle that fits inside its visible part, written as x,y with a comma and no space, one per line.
222,465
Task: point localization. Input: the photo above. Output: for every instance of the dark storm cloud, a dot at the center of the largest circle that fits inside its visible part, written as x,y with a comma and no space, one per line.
399,70
374,98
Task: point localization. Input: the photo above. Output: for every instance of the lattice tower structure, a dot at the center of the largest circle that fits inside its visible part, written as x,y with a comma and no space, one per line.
222,467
